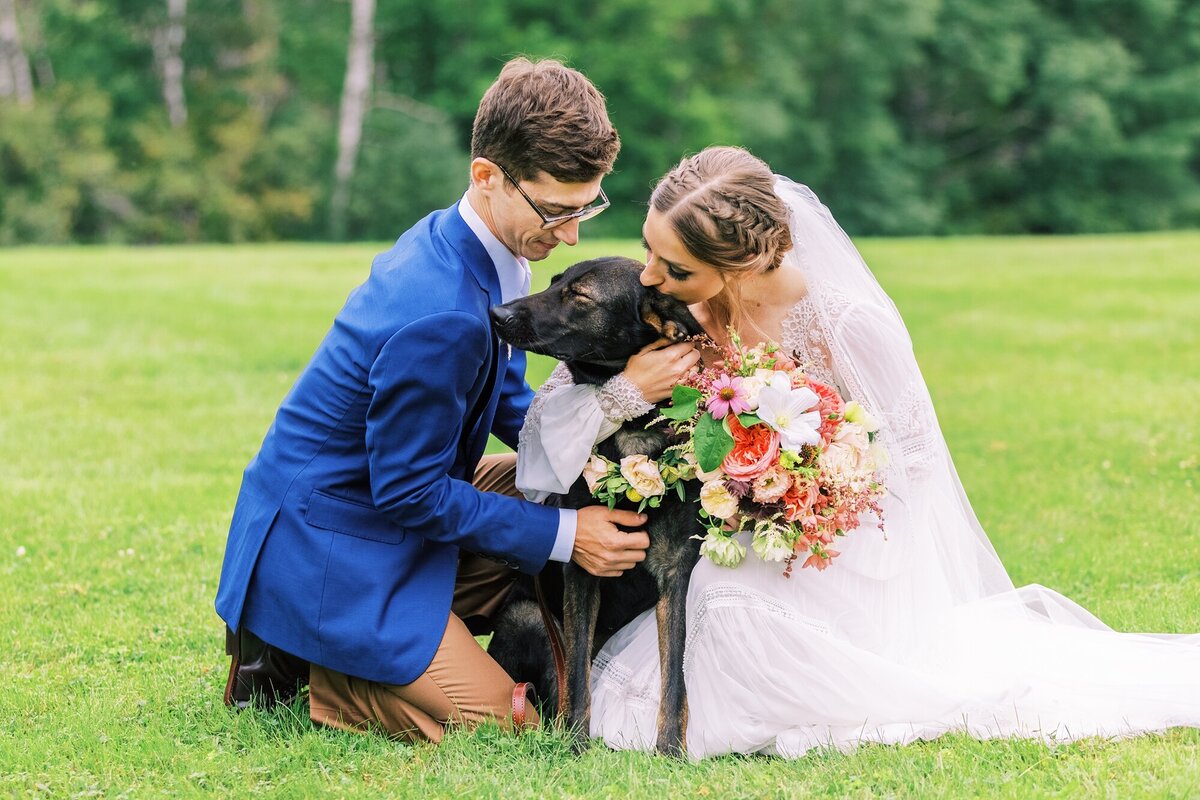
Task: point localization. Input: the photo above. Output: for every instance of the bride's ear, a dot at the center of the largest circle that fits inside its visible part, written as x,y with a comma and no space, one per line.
668,316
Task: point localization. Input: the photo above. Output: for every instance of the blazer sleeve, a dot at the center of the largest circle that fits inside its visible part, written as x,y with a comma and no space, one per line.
515,397
420,385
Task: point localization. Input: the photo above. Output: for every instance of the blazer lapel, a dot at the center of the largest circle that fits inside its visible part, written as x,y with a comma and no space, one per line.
472,252
479,264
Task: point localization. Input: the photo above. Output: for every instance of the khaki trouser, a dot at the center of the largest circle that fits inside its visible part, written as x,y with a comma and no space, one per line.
463,685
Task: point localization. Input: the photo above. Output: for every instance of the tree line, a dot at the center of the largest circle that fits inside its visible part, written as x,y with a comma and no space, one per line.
237,120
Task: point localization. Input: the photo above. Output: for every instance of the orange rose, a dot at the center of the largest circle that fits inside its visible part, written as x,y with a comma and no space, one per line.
831,404
755,449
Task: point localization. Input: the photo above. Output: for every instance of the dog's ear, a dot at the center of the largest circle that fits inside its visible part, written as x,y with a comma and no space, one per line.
668,316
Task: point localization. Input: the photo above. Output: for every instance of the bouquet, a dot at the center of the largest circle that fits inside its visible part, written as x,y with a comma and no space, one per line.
777,453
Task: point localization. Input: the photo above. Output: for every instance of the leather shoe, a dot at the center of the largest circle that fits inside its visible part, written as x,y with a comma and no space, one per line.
259,673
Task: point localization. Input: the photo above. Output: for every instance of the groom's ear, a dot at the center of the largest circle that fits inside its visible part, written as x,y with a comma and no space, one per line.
668,316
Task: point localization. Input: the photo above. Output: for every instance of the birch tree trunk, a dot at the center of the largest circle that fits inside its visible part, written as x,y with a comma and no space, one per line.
15,79
359,66
168,46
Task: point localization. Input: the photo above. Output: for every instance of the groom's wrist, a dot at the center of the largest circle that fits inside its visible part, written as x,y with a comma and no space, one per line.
564,541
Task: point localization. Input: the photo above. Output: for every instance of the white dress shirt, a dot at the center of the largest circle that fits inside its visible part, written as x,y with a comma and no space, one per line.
515,277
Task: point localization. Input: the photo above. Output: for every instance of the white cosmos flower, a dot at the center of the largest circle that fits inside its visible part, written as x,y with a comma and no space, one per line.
791,412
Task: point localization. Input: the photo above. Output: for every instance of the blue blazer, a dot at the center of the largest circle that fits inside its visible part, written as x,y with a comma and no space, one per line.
344,543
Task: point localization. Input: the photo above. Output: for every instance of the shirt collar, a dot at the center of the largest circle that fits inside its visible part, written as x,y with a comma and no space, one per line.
513,271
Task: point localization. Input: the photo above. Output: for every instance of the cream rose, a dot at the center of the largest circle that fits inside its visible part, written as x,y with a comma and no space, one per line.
716,500
643,475
595,470
853,435
707,476
753,384
839,459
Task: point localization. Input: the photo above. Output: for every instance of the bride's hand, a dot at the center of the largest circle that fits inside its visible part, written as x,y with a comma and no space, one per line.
657,368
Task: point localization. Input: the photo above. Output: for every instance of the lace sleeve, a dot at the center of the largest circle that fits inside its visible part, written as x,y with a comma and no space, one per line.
884,377
564,423
874,364
621,401
560,377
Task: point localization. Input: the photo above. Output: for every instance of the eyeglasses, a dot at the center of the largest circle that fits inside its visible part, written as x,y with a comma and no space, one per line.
553,221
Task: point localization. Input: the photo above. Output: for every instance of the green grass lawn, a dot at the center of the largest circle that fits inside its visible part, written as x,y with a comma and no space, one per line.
135,384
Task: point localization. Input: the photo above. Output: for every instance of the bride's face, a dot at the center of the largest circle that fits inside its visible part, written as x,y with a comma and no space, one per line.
671,269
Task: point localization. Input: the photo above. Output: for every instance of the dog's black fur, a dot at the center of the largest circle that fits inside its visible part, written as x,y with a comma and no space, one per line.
593,317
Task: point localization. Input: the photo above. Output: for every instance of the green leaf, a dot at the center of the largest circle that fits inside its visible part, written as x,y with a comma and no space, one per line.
749,419
679,490
713,443
683,403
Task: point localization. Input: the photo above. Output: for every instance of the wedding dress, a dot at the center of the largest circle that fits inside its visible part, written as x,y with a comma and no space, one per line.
911,633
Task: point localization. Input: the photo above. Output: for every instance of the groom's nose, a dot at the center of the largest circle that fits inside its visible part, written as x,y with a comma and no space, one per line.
568,232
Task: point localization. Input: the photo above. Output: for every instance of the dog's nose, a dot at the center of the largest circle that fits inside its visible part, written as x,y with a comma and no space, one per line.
501,316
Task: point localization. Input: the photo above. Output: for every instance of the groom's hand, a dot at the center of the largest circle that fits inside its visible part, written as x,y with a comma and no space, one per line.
601,547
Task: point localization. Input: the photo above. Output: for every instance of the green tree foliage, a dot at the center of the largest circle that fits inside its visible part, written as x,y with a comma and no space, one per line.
906,116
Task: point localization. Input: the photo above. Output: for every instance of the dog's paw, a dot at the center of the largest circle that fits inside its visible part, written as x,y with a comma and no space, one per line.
672,746
580,740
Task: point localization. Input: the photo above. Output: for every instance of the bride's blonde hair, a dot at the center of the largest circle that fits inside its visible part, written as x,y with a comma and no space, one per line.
722,204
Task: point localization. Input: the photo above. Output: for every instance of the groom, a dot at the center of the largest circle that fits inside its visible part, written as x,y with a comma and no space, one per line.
371,537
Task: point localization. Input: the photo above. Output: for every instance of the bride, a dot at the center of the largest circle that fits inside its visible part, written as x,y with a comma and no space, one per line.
912,633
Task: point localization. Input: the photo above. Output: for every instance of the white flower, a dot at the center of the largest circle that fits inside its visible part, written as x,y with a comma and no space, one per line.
595,470
716,500
20,551
723,551
643,475
791,412
771,545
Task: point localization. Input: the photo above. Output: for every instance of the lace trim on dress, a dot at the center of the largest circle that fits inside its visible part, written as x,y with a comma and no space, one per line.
908,428
561,376
802,338
620,400
913,430
617,674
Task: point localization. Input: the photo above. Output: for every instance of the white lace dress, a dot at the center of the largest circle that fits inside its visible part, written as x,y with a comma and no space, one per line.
887,645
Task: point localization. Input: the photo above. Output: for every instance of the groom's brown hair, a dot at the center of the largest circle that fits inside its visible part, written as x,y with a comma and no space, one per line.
544,116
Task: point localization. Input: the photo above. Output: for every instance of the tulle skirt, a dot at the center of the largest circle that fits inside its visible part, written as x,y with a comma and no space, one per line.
780,665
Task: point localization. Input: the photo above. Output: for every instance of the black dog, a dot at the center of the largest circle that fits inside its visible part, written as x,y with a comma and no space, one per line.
593,317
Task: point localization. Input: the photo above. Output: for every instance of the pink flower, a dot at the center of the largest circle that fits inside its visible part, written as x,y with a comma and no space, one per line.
831,407
820,562
772,484
800,498
755,449
728,396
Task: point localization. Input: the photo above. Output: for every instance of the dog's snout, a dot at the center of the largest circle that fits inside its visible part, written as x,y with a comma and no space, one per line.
502,315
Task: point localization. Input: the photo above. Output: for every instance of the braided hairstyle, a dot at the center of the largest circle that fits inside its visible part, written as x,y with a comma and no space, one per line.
722,204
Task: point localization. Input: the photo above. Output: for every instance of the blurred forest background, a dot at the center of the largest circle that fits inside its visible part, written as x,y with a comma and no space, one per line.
240,120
